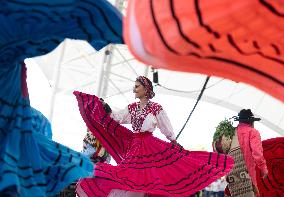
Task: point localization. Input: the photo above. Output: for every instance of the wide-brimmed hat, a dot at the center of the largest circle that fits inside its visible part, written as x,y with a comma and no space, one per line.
245,115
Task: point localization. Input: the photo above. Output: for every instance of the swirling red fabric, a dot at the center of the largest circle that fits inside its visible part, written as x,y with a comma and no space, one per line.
242,41
273,185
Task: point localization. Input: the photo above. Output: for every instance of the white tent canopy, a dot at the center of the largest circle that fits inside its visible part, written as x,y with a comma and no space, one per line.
75,65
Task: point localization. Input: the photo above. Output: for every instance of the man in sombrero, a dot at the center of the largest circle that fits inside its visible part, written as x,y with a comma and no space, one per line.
246,148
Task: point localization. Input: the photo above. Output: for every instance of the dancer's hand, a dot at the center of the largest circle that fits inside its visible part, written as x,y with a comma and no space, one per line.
176,143
173,141
264,175
255,190
102,100
106,106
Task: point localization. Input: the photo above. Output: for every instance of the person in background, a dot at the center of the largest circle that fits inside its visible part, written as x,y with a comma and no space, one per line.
92,147
222,186
244,144
215,187
251,147
94,150
207,192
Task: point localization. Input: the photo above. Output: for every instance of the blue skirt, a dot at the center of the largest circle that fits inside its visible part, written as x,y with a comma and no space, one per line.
30,162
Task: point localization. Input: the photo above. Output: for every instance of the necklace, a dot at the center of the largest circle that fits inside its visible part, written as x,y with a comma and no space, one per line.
139,110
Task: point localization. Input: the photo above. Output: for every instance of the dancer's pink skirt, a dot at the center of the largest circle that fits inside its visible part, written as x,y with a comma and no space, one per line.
145,163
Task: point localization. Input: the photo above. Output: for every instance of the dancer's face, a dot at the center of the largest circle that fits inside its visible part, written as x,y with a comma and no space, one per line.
139,90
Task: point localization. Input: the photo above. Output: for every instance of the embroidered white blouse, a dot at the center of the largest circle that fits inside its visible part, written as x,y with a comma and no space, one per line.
146,119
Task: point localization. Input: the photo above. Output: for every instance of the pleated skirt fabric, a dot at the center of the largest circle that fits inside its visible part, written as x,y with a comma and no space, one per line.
273,152
30,162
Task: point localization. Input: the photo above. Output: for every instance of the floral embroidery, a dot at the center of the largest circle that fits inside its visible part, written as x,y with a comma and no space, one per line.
138,115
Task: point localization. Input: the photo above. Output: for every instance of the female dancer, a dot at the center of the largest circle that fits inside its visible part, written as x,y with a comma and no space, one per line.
146,164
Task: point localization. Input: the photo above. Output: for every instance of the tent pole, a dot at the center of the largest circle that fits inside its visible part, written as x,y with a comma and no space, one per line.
100,82
119,4
56,74
146,71
104,70
107,71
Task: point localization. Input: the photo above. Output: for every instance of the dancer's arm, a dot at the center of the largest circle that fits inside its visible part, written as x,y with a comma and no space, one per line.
165,126
257,152
121,116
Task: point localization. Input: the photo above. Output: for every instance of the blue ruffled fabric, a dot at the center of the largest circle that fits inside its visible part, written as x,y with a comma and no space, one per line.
31,28
29,160
40,123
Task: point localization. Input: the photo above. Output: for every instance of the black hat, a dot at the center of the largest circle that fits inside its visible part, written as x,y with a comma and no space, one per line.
245,115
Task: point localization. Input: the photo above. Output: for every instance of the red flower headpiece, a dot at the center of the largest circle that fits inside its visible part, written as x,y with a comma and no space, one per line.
148,85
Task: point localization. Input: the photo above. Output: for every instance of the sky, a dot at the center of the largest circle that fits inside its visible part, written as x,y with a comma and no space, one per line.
69,128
